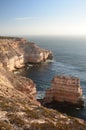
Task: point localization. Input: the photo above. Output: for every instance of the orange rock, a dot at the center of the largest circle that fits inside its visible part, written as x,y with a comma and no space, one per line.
64,89
16,52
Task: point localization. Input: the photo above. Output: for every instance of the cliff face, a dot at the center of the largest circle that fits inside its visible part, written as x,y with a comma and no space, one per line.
19,109
65,89
13,86
16,52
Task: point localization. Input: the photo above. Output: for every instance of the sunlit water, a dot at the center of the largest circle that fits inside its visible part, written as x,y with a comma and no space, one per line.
69,59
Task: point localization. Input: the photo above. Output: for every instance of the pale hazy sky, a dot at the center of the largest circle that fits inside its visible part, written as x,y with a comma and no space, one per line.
43,17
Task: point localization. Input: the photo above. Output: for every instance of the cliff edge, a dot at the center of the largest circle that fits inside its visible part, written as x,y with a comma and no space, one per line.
19,109
16,52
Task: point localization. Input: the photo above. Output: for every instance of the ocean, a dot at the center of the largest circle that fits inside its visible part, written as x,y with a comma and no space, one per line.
69,58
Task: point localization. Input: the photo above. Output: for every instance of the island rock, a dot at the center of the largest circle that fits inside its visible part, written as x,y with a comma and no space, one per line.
65,89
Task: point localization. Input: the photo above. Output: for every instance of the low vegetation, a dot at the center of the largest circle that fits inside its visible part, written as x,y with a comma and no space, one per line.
22,116
19,109
8,37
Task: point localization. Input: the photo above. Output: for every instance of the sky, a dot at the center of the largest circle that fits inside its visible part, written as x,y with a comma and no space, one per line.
43,17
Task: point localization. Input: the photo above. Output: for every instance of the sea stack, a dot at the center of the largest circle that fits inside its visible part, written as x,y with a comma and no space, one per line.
65,89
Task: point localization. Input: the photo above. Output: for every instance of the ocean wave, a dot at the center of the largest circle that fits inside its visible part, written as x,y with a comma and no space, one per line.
84,98
40,94
66,69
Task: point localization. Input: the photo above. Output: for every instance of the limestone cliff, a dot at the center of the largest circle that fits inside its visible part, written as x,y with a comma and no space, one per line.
65,89
19,109
16,52
17,87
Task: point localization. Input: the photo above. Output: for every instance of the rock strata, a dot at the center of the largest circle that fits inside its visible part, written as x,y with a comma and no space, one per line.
19,109
17,87
16,52
65,89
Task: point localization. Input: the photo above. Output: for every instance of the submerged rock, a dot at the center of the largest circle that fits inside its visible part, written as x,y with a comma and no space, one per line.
65,89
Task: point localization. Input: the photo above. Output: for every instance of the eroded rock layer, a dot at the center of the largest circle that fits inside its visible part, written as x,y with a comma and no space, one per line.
65,89
16,52
19,109
17,87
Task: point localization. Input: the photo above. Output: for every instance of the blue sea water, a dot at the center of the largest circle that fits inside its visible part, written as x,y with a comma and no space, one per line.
69,59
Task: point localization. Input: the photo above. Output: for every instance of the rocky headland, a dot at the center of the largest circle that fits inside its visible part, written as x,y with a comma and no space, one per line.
19,109
16,52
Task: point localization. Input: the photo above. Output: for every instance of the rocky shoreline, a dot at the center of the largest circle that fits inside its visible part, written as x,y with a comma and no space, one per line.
19,109
16,52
